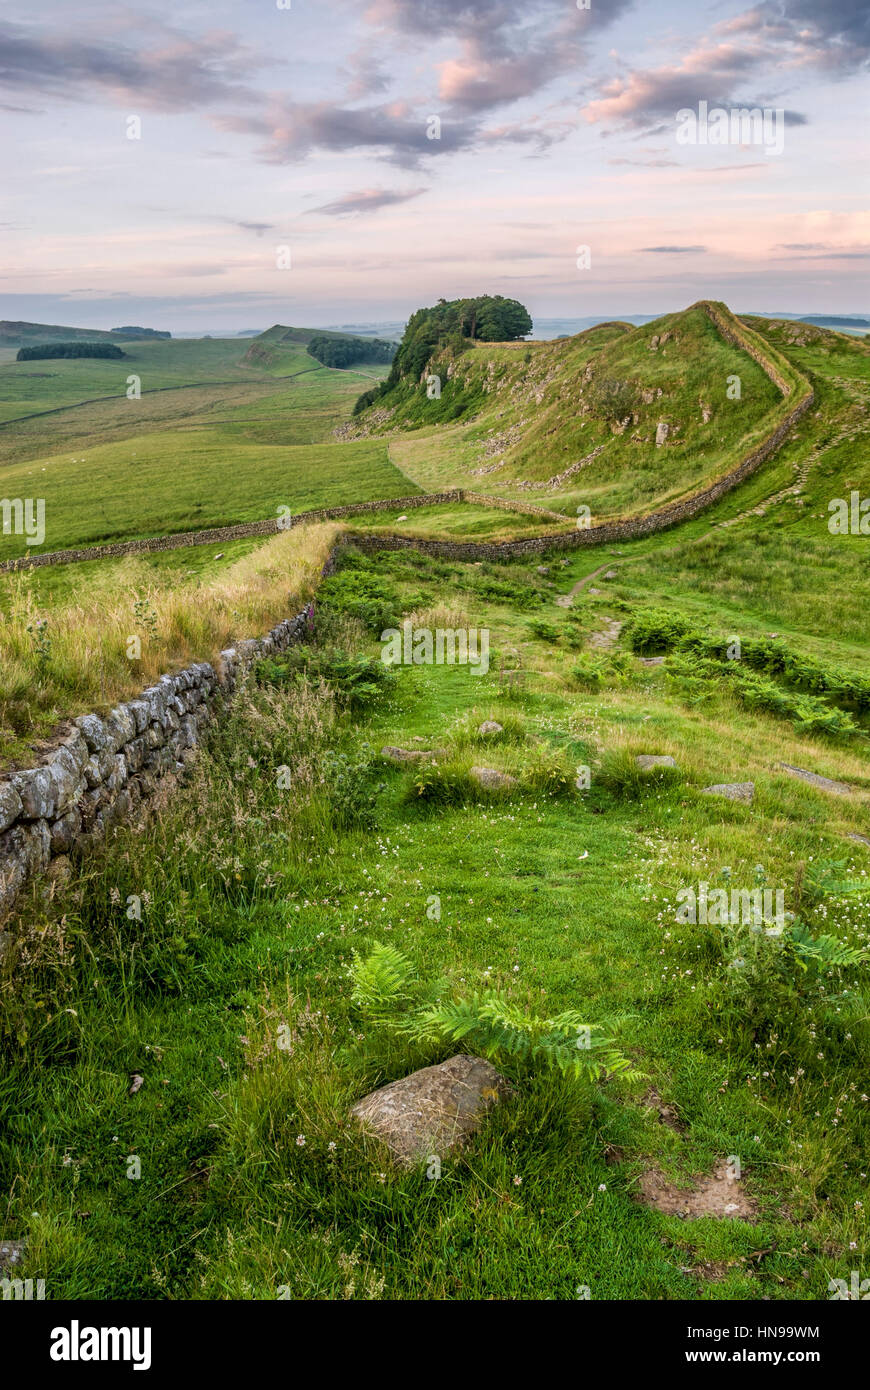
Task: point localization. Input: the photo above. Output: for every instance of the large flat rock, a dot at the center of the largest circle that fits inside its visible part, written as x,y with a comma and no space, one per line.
732,791
824,784
433,1110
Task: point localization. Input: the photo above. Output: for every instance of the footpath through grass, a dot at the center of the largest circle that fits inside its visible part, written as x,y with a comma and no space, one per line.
181,1043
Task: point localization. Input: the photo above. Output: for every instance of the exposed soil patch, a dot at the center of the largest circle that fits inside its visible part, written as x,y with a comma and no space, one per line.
667,1113
716,1195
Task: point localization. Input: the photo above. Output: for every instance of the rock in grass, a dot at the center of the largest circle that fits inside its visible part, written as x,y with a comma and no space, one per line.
433,1110
825,784
490,726
409,755
491,778
647,761
732,791
859,839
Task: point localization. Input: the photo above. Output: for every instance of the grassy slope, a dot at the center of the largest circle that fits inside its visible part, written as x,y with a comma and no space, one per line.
530,416
202,455
249,922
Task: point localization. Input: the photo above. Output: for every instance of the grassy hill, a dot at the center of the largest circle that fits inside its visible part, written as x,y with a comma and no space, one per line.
618,418
276,350
19,333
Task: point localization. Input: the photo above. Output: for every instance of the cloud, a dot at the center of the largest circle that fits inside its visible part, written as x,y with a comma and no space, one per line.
367,200
671,250
787,38
507,49
258,227
292,130
166,71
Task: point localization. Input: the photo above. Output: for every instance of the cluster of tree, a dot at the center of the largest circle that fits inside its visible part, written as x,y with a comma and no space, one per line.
334,351
489,318
44,350
133,331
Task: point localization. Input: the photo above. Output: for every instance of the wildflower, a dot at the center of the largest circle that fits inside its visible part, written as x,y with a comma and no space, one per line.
518,1182
300,1140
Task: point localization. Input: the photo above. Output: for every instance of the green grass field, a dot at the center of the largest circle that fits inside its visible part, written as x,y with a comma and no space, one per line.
257,902
252,1180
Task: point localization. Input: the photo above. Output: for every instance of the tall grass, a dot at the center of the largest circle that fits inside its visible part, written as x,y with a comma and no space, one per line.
63,662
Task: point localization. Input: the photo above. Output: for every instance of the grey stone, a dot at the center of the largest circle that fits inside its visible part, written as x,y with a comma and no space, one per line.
98,768
433,1110
64,832
860,839
408,755
37,791
825,784
732,791
96,735
121,726
135,753
118,811
141,712
67,774
10,805
118,776
490,726
155,698
647,761
77,748
492,779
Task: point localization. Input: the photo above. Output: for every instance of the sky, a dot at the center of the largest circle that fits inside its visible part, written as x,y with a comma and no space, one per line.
222,165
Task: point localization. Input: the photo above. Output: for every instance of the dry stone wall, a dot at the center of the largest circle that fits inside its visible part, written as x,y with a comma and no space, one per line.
107,765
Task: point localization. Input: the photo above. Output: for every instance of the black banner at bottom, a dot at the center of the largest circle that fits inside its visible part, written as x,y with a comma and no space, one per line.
60,1340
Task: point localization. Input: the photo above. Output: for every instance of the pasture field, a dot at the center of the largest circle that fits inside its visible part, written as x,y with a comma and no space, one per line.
260,904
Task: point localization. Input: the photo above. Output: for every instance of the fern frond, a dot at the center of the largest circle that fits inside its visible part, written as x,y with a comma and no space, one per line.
825,949
380,979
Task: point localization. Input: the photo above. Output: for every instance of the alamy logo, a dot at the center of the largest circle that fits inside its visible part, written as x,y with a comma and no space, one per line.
850,518
75,1343
22,1289
715,907
423,646
738,125
20,518
857,1288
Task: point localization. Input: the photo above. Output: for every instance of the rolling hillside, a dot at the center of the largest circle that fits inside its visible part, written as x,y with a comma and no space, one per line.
618,418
